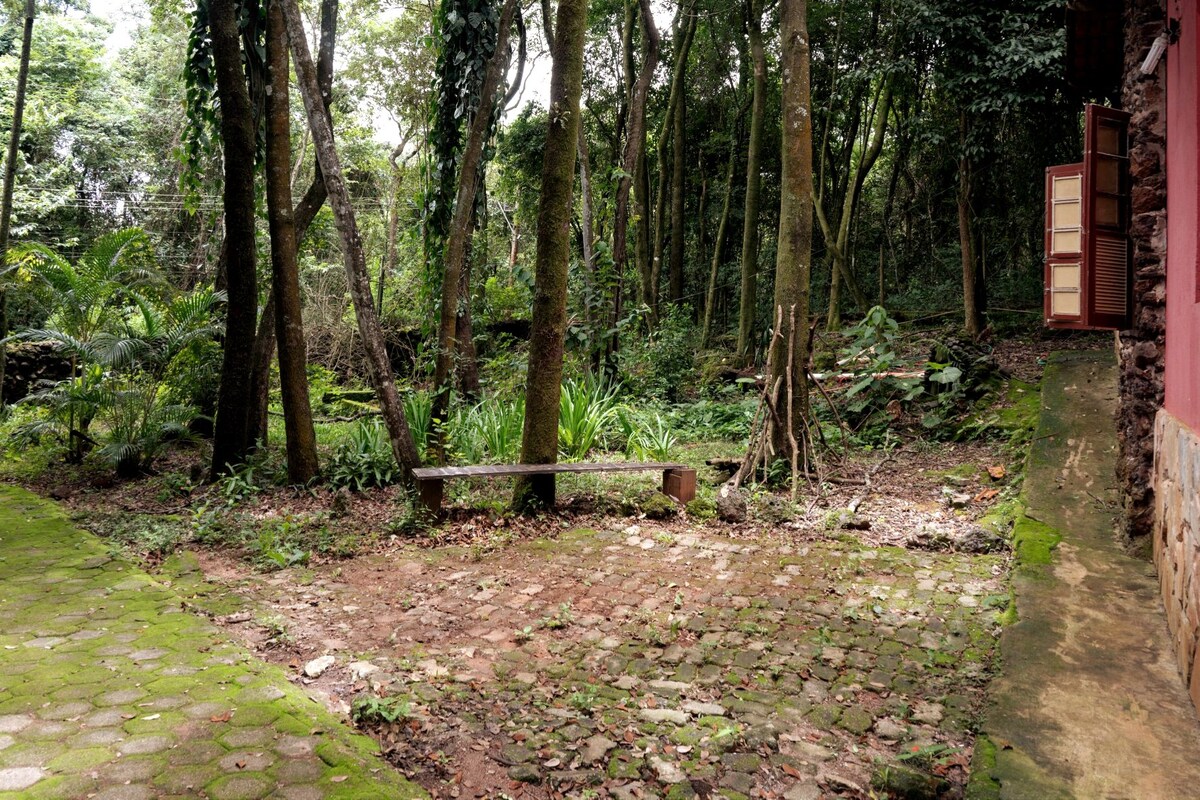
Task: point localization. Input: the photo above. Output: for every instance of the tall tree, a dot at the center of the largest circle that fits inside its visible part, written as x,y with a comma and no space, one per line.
462,225
305,212
789,346
285,276
749,296
379,367
539,440
632,163
670,177
231,437
10,170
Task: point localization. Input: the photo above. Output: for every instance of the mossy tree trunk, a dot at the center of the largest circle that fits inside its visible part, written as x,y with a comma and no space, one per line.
302,463
232,433
539,440
378,365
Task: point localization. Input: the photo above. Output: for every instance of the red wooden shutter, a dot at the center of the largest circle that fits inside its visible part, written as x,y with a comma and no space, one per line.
1106,217
1104,249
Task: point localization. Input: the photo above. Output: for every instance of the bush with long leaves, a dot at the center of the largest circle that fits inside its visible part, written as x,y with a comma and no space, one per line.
586,408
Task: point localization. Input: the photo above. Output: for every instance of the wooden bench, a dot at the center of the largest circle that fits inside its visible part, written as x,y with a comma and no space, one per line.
679,480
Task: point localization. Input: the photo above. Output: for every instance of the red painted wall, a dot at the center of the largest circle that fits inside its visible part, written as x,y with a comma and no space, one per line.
1183,221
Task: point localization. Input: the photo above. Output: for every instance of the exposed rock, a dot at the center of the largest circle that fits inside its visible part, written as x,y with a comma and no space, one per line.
663,715
956,499
889,729
514,754
525,773
361,669
317,667
595,748
704,709
905,783
731,504
667,771
978,539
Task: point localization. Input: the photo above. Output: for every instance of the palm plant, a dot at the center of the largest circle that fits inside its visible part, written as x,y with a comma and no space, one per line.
122,329
81,298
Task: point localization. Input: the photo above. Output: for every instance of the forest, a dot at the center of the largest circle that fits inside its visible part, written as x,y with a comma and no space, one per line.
264,259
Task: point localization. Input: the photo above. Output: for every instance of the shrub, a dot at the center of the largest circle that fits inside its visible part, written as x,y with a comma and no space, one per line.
662,364
586,408
652,440
418,410
364,460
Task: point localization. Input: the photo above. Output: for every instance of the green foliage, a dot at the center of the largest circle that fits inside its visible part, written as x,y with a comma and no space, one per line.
275,547
662,364
490,432
374,710
652,439
364,460
505,301
872,356
202,103
239,485
586,407
418,411
124,333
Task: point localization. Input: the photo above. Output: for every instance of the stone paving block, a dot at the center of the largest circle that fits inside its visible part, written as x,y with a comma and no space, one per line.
109,697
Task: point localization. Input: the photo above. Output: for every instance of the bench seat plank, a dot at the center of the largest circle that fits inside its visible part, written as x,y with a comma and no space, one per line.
500,470
679,480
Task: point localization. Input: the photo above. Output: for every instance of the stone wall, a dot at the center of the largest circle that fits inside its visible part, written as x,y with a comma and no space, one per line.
1177,540
1141,347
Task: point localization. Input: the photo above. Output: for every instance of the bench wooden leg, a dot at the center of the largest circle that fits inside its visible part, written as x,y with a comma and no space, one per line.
680,484
429,492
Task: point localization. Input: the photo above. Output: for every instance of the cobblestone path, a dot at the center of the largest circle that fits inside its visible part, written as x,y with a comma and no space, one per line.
646,662
110,691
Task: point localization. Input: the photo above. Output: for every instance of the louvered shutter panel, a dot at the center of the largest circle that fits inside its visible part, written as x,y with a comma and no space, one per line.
1088,250
1106,217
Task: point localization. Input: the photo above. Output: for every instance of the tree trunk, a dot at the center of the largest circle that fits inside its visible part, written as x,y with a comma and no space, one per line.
10,174
789,346
587,205
685,33
972,313
837,240
380,369
749,296
718,245
303,215
231,436
539,440
388,266
301,438
264,354
468,362
676,276
461,228
631,159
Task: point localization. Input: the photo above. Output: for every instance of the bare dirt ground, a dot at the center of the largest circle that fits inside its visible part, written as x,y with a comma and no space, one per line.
584,655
